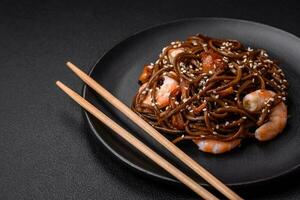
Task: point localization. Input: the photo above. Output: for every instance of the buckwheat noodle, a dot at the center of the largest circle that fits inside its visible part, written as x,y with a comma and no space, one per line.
208,103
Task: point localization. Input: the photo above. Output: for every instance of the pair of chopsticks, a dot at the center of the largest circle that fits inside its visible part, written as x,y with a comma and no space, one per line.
221,187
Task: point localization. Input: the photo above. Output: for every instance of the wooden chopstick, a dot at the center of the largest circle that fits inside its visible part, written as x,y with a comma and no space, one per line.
155,134
137,143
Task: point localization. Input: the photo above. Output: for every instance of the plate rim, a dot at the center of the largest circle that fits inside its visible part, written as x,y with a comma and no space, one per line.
87,116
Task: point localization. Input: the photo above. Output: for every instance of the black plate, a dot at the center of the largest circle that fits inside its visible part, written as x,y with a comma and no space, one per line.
118,71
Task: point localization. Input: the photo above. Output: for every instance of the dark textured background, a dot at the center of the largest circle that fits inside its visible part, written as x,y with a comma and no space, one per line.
46,151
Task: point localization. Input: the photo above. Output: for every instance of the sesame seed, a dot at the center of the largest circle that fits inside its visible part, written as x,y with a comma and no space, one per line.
244,117
176,102
249,49
204,109
217,126
210,72
215,133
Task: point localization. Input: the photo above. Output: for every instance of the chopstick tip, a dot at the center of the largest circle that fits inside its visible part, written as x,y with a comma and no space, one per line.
58,83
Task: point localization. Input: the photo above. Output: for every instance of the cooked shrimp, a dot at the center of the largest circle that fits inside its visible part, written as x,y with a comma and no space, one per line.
211,61
275,125
216,146
172,53
255,101
146,74
163,92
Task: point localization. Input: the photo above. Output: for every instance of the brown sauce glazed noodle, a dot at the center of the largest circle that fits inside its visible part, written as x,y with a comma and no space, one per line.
214,92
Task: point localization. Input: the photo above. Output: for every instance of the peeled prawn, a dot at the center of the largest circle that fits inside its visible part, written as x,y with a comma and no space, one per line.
210,61
275,125
163,92
255,101
216,146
